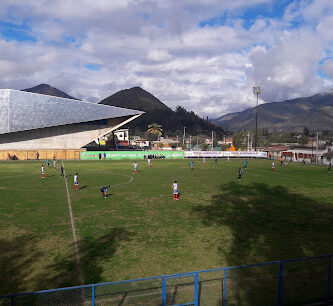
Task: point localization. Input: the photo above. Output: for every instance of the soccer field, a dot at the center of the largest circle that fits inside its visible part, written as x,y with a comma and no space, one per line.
140,231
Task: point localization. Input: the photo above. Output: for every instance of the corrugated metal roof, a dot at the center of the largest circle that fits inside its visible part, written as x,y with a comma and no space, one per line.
21,111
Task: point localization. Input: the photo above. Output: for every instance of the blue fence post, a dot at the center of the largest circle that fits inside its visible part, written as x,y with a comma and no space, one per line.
196,289
329,279
163,291
93,295
225,288
280,301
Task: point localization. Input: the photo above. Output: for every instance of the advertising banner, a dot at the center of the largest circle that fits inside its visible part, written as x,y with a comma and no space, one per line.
169,154
191,154
131,154
244,154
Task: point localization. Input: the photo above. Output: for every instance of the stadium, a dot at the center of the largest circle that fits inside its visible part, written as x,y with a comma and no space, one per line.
201,174
66,246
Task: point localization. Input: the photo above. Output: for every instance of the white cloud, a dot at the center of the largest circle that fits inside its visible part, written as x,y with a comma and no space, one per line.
158,45
289,67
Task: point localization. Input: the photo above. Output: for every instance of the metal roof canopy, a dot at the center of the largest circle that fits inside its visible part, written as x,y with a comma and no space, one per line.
21,111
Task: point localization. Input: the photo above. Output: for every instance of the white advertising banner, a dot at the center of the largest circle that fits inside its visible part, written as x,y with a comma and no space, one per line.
203,153
189,154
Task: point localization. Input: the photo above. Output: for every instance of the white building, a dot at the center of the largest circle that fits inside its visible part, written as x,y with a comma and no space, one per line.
122,134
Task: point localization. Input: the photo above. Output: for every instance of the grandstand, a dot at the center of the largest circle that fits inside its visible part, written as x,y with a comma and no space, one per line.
32,122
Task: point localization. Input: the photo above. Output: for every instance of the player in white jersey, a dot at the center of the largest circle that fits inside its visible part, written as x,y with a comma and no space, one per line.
54,164
175,190
149,162
135,167
43,171
273,166
76,181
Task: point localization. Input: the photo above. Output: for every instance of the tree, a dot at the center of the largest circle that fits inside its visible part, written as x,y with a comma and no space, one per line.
137,132
204,146
303,140
306,132
155,129
239,139
112,141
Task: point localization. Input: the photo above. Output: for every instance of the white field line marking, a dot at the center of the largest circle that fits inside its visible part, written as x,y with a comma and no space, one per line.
294,176
124,183
76,247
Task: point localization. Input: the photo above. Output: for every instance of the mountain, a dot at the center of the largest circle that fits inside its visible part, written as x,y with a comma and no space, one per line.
315,112
46,89
173,122
135,98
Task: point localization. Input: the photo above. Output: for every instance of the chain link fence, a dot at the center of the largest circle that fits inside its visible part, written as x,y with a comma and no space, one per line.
305,281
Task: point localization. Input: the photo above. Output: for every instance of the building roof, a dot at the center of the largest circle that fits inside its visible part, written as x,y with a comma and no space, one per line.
276,148
328,154
21,111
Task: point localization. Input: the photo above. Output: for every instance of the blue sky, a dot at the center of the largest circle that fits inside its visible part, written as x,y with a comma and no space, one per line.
202,54
249,15
16,31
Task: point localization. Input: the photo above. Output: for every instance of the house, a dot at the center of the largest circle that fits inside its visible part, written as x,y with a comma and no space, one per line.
164,144
122,134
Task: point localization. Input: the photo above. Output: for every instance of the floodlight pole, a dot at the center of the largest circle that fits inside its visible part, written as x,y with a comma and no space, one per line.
257,92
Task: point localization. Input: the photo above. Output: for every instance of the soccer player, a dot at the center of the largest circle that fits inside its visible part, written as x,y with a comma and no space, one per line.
76,181
329,169
62,170
135,167
281,161
228,160
273,166
54,163
149,162
215,159
43,171
175,190
48,162
191,165
204,160
240,172
104,191
245,164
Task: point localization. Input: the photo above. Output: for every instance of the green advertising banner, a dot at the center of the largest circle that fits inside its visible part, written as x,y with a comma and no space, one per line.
130,154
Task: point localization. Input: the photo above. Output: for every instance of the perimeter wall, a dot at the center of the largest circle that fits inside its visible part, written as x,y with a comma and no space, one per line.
43,154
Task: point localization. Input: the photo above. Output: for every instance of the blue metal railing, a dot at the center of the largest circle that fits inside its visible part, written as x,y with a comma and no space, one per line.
288,277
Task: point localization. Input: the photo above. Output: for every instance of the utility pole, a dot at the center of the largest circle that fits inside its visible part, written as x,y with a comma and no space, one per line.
257,92
248,141
184,136
212,140
190,143
197,143
177,142
317,149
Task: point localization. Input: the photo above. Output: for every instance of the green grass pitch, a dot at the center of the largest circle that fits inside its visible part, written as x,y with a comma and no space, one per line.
140,231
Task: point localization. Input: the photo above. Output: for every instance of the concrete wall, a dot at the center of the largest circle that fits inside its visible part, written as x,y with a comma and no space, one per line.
73,136
43,154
